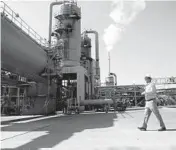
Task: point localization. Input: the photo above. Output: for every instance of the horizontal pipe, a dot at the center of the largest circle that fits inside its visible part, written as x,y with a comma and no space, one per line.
97,102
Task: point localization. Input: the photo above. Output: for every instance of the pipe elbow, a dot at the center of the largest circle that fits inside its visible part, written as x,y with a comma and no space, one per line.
58,3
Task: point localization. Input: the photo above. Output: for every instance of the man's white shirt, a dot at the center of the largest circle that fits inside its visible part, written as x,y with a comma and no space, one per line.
150,91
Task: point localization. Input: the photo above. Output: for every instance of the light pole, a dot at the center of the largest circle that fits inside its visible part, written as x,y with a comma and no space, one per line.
109,61
135,100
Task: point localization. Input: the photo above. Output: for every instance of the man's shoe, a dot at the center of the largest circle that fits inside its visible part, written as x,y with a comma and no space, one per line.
142,128
162,129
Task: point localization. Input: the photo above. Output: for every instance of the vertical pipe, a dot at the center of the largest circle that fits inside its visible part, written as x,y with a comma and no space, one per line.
135,100
18,99
50,18
115,79
97,54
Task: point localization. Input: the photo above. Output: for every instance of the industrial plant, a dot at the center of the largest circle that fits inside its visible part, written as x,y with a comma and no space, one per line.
40,77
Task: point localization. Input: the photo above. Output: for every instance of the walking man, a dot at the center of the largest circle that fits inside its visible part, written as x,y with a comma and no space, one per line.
151,105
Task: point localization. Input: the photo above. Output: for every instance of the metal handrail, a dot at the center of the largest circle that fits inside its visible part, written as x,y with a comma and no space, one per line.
14,17
166,80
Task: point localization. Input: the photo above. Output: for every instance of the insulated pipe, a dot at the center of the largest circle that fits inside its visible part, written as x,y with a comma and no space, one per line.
96,52
50,18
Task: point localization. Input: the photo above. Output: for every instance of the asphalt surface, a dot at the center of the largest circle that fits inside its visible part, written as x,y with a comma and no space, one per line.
91,131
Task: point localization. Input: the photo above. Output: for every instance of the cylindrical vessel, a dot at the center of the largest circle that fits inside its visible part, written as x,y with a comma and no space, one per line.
69,28
20,54
96,53
68,8
86,46
110,80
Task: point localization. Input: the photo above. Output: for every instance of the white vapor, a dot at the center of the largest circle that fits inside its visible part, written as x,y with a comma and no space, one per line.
123,13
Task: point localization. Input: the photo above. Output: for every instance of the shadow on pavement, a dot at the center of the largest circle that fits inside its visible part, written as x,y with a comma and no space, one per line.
125,114
126,148
163,131
62,128
171,130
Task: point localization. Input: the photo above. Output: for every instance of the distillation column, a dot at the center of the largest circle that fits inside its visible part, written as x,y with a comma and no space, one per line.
87,63
68,27
97,76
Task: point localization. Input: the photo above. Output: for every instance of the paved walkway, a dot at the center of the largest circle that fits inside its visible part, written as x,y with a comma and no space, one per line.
9,119
94,131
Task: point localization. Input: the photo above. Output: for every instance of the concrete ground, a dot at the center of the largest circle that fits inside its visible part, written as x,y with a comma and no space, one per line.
8,119
91,131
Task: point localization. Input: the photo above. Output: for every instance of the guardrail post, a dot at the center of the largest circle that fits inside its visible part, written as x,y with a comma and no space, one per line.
28,30
12,16
4,9
21,25
40,41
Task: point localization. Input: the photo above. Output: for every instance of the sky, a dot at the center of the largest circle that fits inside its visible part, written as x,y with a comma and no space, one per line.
148,45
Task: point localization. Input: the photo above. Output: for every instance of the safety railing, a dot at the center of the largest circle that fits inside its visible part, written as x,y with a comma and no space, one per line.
103,84
17,20
162,81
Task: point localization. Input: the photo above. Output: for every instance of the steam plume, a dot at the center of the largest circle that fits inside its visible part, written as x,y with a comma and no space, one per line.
123,13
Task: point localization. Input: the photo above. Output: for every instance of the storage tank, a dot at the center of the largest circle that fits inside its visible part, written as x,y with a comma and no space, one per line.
68,25
21,54
110,80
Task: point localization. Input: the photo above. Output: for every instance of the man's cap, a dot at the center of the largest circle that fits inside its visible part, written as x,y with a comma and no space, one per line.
148,76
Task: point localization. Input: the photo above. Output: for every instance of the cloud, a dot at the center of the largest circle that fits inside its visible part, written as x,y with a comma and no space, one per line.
123,13
111,36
